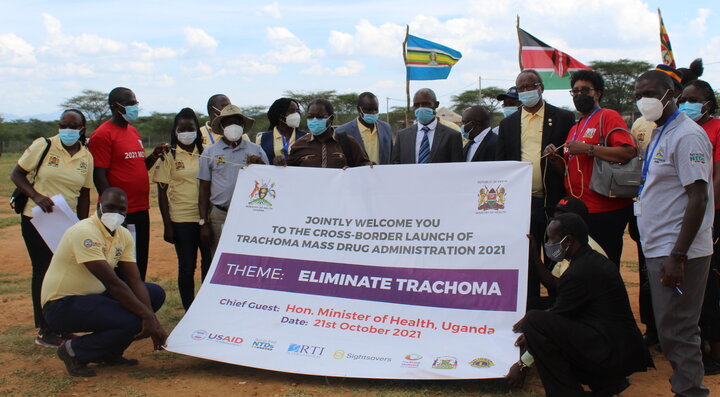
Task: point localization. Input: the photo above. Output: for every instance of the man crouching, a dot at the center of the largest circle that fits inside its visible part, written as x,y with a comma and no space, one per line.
82,293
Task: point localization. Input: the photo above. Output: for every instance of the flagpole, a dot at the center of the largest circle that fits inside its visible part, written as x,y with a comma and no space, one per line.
517,28
407,81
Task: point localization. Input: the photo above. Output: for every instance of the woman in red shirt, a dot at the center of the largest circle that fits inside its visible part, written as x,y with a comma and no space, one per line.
699,103
607,216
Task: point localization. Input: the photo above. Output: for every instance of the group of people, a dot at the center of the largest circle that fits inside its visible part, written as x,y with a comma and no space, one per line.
582,333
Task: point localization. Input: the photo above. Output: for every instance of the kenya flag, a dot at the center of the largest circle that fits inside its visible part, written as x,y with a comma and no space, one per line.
554,66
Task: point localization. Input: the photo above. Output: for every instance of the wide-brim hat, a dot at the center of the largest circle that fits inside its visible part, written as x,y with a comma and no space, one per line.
228,111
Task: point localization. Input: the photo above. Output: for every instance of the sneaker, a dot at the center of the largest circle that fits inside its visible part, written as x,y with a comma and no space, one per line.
119,360
72,364
48,338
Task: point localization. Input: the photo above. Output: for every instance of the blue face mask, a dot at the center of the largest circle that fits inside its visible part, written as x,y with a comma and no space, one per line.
529,98
465,134
370,118
317,125
68,136
508,110
424,115
692,110
131,112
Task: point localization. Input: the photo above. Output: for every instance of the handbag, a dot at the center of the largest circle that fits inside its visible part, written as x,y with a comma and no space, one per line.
620,180
18,199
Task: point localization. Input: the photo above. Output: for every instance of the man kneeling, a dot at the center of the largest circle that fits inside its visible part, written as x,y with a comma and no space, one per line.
589,336
82,293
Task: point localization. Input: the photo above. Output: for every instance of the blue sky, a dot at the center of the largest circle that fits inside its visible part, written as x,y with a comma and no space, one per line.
177,54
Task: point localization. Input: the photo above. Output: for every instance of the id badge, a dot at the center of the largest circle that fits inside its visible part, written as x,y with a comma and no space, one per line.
637,208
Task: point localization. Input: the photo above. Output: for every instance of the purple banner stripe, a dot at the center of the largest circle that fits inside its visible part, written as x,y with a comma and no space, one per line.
474,289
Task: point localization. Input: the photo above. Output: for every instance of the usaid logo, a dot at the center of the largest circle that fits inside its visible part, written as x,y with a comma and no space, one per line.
199,334
306,350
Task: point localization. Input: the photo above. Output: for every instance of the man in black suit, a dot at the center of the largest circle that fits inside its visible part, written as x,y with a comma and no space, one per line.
429,141
481,139
521,137
589,336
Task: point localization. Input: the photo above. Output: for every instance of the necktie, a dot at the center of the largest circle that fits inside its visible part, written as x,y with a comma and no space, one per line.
467,147
424,154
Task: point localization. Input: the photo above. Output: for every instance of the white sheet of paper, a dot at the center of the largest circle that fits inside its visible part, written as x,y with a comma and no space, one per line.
52,225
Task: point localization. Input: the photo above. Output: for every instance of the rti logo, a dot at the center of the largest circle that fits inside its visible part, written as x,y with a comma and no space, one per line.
264,344
306,350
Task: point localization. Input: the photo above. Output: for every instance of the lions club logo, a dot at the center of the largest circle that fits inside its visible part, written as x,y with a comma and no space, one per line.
491,198
481,363
261,194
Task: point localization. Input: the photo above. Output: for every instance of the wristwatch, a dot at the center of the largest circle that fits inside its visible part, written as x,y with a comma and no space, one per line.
202,222
679,255
591,150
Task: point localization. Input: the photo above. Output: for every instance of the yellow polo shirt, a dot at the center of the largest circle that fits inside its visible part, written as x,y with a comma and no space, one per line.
85,241
642,129
531,129
371,140
60,173
180,174
277,141
207,132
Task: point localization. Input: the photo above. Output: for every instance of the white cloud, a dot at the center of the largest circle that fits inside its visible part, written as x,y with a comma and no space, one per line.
290,49
146,52
698,25
74,69
162,80
383,40
62,45
197,39
16,51
250,65
350,68
133,67
271,10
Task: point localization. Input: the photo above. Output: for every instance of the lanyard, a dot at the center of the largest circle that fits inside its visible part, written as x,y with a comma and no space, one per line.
210,134
286,145
583,127
649,155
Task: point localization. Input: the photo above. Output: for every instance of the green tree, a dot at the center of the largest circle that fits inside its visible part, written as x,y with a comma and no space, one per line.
93,103
619,79
305,97
469,98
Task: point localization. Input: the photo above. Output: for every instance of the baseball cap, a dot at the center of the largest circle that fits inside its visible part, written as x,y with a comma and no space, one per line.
511,93
570,205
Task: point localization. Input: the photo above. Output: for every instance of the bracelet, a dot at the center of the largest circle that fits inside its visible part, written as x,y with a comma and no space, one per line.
679,255
522,365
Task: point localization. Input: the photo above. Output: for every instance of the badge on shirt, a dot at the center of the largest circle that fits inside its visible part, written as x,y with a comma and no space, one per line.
118,252
89,243
220,160
659,156
697,158
589,133
53,161
179,165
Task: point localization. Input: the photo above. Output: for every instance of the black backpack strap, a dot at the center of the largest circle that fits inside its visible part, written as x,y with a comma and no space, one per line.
345,145
42,158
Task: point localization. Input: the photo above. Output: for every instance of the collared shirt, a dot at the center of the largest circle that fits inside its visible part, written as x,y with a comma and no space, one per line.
219,166
86,241
531,129
421,133
180,173
642,129
476,143
371,140
682,156
60,173
278,142
208,136
309,151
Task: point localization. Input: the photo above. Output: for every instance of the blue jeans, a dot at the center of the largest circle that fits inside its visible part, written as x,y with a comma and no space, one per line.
113,327
187,243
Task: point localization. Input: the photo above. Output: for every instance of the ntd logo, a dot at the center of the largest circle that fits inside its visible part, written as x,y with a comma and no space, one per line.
263,344
306,350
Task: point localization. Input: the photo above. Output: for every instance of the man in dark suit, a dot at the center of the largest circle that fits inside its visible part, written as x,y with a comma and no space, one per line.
522,137
589,336
373,134
429,141
481,139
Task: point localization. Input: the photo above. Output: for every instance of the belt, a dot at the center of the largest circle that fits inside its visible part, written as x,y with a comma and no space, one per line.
220,207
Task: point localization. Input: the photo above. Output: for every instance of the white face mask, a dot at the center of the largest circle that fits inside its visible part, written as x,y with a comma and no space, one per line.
293,120
651,108
111,220
233,132
187,138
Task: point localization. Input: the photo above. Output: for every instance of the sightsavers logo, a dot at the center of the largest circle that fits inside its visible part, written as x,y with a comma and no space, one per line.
412,360
340,354
306,350
264,344
445,362
481,363
201,334
261,195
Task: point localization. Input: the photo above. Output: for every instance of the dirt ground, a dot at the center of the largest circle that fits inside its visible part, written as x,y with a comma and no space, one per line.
27,369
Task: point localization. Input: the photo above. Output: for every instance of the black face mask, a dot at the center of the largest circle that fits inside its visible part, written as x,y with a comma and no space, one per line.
584,103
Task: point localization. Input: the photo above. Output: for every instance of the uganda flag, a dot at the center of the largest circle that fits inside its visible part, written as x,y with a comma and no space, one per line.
426,60
554,66
665,47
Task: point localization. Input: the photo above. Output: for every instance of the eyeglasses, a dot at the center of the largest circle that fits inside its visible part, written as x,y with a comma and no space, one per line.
529,87
584,91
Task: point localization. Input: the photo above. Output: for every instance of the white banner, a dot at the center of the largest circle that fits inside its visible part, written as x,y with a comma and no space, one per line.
402,271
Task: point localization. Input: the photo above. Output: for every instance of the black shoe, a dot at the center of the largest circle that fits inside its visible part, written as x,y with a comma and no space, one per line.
119,360
612,388
712,367
48,338
72,364
651,339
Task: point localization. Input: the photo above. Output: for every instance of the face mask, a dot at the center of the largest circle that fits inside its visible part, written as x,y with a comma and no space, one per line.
187,138
555,251
131,112
508,110
584,103
293,120
529,98
424,115
69,137
317,125
692,110
111,220
651,108
370,118
233,132
465,134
